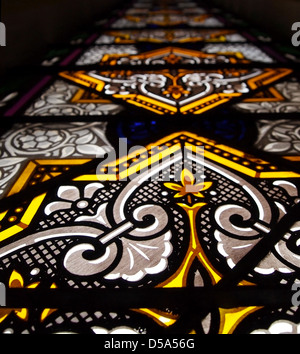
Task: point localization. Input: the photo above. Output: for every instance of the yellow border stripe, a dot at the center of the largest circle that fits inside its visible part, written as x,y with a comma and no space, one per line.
32,209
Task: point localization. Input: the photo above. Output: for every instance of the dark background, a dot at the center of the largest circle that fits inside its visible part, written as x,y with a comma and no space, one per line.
273,16
34,25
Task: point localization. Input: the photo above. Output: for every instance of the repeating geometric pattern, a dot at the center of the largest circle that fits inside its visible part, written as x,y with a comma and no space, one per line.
149,180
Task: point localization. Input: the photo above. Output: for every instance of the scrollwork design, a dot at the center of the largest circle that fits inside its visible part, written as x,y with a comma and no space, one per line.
241,224
287,249
234,219
145,237
239,230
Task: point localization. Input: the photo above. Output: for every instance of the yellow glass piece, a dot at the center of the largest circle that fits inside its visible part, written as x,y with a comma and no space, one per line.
81,78
47,312
292,158
2,215
16,281
35,204
268,77
162,318
18,186
32,209
4,313
25,220
94,178
10,232
231,318
268,95
279,174
139,99
63,162
22,314
188,185
85,96
178,279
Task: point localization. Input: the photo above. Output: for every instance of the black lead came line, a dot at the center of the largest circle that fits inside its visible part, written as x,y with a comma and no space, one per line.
220,294
225,294
198,300
263,296
232,295
260,251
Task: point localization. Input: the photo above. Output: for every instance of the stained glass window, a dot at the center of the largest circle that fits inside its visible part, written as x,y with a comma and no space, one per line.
152,166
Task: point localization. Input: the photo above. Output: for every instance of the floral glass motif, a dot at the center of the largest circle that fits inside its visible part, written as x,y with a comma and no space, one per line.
112,210
167,20
210,54
283,97
39,140
64,99
194,229
167,36
176,91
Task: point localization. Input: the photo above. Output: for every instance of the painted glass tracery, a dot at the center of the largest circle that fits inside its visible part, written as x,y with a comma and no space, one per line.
152,167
